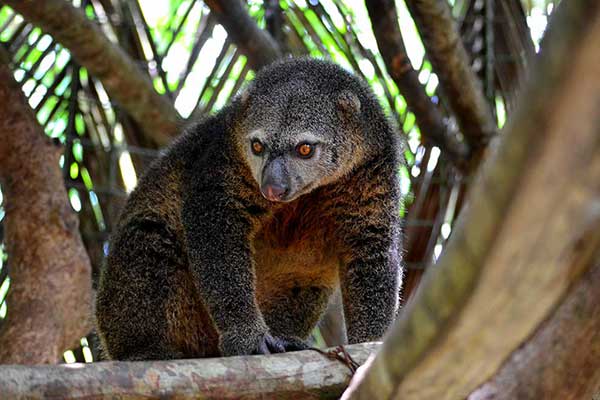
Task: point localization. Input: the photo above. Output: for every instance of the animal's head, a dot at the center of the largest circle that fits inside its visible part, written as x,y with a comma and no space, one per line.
300,127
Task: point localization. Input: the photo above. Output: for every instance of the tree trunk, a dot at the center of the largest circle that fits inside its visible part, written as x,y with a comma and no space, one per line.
298,375
49,297
562,360
529,231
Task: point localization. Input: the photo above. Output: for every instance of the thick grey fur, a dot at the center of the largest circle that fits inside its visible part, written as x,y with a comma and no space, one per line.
201,264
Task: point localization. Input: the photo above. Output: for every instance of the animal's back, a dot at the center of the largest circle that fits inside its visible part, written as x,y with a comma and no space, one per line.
147,270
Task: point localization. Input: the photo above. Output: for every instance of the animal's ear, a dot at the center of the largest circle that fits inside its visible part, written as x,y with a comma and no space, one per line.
240,106
242,102
348,103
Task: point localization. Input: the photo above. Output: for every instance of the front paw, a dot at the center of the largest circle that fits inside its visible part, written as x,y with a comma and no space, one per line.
245,342
280,344
293,343
233,344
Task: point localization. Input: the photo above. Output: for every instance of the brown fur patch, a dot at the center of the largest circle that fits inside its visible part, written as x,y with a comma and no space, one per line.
190,328
294,249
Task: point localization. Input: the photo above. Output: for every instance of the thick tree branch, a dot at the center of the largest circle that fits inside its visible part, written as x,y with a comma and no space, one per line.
49,297
562,360
298,375
450,61
254,43
123,80
384,20
529,231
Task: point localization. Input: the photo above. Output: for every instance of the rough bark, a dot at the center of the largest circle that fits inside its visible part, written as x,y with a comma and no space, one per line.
562,360
527,234
384,20
299,375
123,80
49,297
253,42
461,87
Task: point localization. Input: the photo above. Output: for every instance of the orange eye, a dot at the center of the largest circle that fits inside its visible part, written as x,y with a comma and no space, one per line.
305,150
257,147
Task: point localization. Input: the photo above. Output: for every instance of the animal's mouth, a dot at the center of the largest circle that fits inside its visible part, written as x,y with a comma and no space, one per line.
289,196
286,199
275,192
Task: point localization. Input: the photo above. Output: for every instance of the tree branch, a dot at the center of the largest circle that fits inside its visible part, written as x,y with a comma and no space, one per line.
562,360
50,292
450,61
512,37
253,42
528,232
274,23
384,20
121,77
298,375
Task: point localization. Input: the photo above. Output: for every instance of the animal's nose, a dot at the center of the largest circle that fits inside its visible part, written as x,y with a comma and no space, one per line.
274,192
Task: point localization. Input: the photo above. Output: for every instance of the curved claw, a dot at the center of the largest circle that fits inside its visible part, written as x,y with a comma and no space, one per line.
276,345
294,344
272,344
262,348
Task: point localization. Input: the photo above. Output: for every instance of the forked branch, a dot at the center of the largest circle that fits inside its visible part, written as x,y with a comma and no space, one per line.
461,87
384,20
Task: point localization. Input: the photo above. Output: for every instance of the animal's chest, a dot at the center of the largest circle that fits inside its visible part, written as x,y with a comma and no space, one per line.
297,247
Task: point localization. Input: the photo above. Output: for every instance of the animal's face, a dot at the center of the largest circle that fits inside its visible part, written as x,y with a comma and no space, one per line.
295,140
289,166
